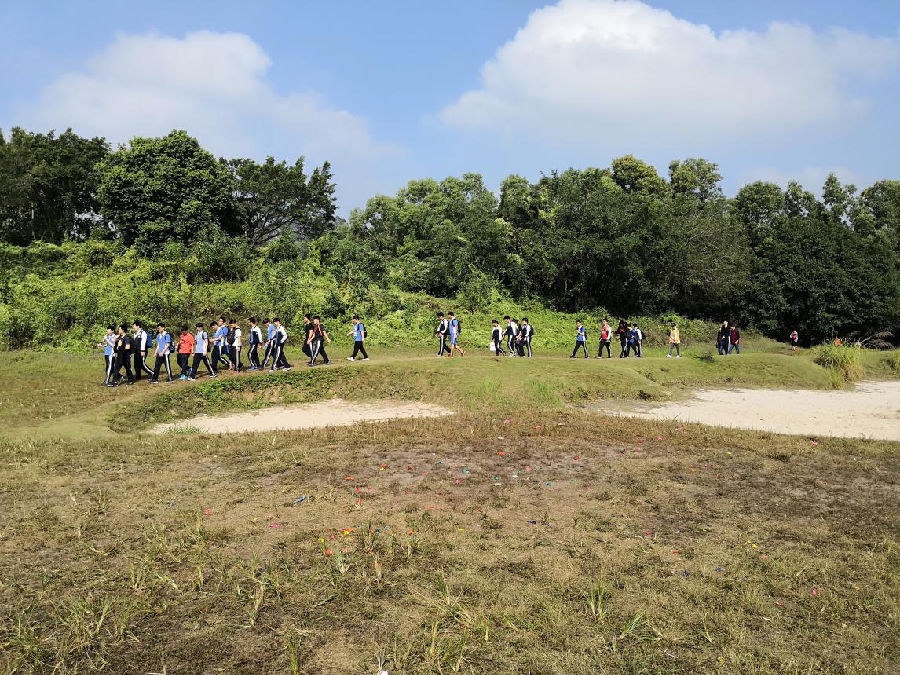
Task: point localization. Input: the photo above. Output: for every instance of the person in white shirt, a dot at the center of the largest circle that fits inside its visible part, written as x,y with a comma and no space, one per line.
279,360
236,343
256,340
140,351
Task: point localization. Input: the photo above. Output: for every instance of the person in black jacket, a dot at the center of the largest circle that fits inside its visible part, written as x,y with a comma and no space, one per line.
622,332
123,347
722,339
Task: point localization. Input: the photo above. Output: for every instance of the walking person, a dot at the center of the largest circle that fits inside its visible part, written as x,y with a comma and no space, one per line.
270,331
201,353
496,334
359,335
109,354
441,333
630,341
580,339
185,349
220,347
279,359
317,338
307,335
622,332
526,332
674,342
795,338
237,343
638,341
255,341
455,330
163,349
510,336
141,343
605,338
722,339
734,340
123,348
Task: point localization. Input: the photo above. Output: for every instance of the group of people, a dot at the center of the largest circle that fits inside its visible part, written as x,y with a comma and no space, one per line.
219,347
631,340
728,339
516,335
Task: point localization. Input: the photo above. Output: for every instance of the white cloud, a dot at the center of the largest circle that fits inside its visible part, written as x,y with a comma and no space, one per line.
214,86
597,70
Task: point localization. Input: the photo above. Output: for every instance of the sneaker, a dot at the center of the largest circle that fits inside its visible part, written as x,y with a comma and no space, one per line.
192,379
288,369
183,377
130,384
214,375
154,381
678,357
571,357
668,356
366,359
350,358
327,362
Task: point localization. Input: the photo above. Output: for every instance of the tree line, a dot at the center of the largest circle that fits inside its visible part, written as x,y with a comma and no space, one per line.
622,237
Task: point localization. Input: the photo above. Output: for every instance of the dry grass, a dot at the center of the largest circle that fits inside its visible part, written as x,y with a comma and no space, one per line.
591,544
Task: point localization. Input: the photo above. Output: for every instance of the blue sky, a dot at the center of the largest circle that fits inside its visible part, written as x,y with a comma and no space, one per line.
397,90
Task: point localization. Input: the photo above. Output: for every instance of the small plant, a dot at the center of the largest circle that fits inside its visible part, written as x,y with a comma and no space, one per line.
597,598
843,361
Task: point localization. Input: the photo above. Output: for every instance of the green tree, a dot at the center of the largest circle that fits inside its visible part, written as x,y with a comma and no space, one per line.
163,189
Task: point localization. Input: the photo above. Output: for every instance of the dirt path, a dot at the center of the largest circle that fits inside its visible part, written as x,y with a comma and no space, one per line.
336,412
871,410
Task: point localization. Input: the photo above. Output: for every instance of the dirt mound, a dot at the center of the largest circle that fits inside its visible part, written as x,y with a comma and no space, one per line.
336,412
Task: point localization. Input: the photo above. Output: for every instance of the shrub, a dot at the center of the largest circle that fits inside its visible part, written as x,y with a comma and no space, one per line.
844,362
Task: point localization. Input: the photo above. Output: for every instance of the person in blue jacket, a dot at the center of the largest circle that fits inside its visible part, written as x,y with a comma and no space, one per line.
580,339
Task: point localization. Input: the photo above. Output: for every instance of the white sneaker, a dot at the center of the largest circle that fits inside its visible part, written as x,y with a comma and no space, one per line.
678,357
668,356
350,358
366,359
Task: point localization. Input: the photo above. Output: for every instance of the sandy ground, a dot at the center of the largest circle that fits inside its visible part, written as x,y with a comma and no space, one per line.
336,412
871,410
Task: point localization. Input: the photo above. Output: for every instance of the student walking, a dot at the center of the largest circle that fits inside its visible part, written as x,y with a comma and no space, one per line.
318,336
123,348
674,342
441,332
510,336
359,335
237,343
163,349
496,334
526,333
622,332
580,339
185,349
109,354
201,353
220,346
639,341
734,339
141,344
307,335
454,329
722,339
795,338
270,346
605,338
279,360
630,340
255,342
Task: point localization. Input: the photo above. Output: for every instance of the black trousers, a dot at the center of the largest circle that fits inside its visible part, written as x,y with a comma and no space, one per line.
604,344
198,359
624,342
123,360
526,344
270,347
498,350
442,344
318,347
218,356
279,360
511,345
184,363
140,364
110,362
160,361
358,347
580,344
234,354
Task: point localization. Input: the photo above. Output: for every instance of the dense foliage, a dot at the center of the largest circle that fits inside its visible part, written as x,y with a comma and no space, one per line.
161,228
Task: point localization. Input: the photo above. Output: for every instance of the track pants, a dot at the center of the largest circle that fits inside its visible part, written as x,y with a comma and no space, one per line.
358,347
160,361
498,350
270,347
110,362
526,344
511,345
580,344
604,344
123,360
318,347
234,354
624,343
198,359
279,360
253,355
184,363
140,364
442,344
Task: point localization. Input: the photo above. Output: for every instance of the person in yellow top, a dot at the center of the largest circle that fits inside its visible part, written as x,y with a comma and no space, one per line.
674,342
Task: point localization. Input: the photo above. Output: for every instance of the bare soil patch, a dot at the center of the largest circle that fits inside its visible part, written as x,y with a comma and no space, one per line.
335,412
871,410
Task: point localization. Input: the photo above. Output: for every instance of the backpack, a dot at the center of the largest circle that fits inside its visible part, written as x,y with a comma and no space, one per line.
458,328
229,336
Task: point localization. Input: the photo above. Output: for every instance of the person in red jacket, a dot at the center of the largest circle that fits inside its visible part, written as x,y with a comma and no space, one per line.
185,349
735,340
605,339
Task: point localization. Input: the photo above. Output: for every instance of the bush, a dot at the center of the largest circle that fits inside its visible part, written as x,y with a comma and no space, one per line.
844,362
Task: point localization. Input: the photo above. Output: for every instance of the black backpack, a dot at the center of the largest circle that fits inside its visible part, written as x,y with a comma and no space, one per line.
458,327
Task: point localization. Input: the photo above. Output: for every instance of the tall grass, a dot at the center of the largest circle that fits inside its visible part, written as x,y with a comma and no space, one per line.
844,363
